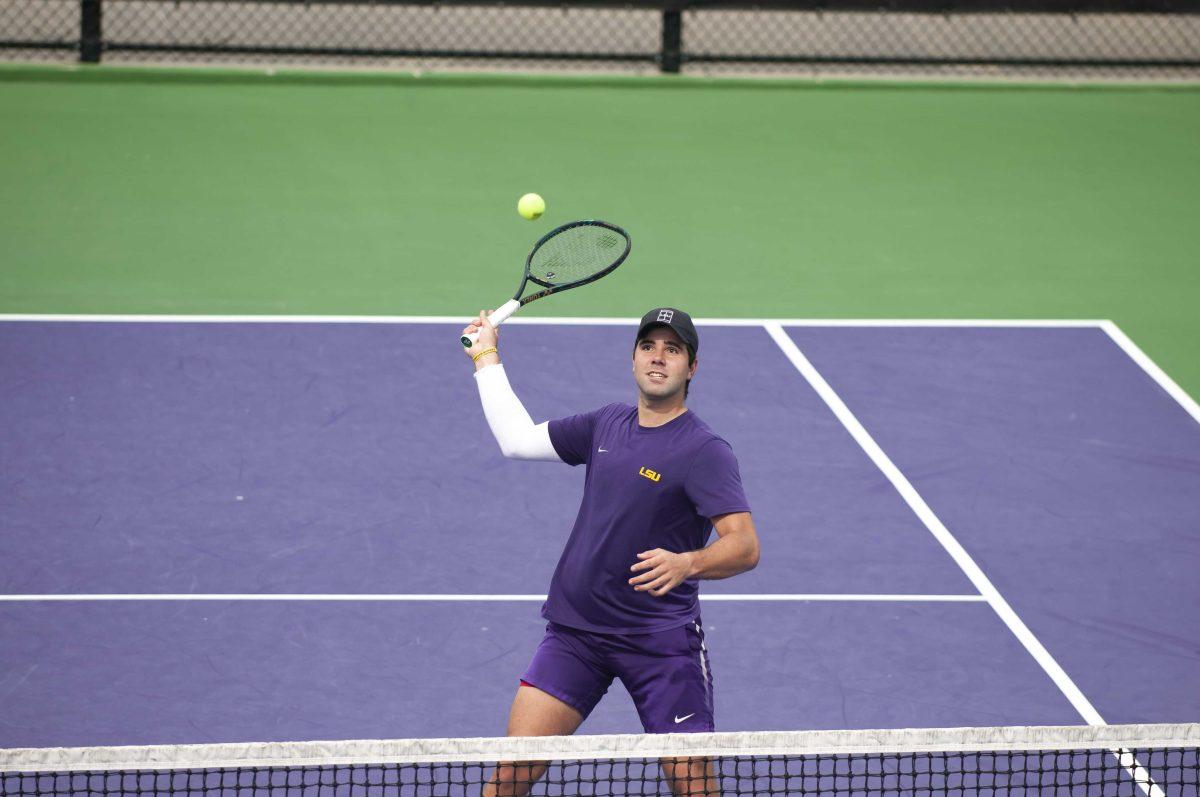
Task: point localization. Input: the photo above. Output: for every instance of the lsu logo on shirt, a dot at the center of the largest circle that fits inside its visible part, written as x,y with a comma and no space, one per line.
649,474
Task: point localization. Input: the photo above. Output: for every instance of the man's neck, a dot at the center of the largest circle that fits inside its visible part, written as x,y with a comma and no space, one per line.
656,413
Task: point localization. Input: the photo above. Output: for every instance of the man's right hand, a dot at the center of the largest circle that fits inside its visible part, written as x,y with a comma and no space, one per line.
488,338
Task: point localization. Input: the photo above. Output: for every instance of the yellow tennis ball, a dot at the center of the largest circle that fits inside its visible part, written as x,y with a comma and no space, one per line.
531,206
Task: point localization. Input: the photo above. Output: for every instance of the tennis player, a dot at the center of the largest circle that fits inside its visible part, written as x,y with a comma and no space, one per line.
623,601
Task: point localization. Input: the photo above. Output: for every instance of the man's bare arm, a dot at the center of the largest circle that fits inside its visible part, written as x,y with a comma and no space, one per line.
735,551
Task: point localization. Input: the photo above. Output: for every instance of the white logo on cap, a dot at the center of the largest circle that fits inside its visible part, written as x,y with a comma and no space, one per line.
666,316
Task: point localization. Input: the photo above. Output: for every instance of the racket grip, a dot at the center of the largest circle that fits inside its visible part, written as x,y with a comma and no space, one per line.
497,317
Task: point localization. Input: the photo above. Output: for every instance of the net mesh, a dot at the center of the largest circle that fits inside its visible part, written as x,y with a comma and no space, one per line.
576,254
1153,760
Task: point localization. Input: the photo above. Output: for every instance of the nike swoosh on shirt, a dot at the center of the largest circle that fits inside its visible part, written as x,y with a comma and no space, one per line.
602,450
681,719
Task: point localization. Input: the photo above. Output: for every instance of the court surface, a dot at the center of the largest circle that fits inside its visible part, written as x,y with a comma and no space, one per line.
231,529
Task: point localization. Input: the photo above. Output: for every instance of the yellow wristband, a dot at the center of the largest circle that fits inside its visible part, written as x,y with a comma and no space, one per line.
489,350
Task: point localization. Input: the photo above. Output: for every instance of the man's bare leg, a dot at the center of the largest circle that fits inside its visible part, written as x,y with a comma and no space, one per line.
691,777
533,713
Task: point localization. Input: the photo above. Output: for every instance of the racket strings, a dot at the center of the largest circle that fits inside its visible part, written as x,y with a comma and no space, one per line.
576,254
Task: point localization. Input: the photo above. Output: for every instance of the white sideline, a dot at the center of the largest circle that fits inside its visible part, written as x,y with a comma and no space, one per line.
258,596
973,572
935,526
1150,367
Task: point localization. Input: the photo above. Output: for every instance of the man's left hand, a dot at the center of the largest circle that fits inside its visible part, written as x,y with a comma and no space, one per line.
664,571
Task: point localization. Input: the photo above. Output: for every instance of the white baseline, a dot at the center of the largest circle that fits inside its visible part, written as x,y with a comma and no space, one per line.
552,320
1120,338
434,597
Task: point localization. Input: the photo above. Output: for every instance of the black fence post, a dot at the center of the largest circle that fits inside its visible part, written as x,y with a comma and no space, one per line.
672,41
90,41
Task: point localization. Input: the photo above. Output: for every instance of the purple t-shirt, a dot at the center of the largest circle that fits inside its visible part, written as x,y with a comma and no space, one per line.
645,488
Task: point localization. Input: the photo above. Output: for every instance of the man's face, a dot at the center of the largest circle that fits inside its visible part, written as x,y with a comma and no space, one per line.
660,364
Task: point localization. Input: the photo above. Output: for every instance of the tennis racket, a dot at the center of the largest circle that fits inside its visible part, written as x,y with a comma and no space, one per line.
564,258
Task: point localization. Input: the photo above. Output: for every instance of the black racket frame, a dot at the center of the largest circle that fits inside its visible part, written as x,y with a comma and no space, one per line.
549,289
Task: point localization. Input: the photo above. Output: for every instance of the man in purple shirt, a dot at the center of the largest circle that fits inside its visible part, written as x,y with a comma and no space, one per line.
623,602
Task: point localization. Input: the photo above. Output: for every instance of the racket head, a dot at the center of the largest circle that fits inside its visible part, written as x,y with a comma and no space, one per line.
575,254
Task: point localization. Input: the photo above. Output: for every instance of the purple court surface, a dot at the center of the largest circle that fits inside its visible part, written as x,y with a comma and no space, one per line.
961,525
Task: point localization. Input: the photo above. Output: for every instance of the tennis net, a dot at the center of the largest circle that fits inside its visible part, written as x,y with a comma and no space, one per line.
1151,760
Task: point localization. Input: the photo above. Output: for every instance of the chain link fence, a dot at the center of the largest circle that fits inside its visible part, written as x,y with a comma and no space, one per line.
1106,39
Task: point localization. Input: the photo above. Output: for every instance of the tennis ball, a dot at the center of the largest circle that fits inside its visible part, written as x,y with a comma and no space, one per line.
531,206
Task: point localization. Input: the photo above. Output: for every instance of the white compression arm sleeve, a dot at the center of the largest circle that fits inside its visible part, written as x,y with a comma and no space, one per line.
514,430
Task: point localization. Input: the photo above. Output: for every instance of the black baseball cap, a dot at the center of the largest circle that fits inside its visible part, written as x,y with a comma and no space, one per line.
679,322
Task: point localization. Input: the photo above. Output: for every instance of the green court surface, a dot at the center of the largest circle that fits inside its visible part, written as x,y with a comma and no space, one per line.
185,192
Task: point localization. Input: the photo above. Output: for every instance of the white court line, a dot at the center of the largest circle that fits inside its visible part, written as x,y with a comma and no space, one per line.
1150,367
915,502
935,526
1114,332
835,597
556,320
256,596
1119,337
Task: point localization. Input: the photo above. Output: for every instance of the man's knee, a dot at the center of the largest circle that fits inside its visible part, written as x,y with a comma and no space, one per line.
514,779
690,777
533,713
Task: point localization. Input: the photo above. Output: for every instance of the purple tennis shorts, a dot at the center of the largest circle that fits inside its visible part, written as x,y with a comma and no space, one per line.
666,673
